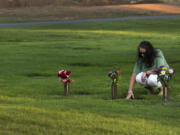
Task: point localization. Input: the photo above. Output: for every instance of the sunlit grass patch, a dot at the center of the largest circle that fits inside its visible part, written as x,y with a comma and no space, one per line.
25,120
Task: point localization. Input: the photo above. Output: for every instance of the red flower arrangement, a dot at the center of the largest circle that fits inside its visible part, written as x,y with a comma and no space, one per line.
64,76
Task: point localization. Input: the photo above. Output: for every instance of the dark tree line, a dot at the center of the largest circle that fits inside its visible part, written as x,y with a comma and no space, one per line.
30,3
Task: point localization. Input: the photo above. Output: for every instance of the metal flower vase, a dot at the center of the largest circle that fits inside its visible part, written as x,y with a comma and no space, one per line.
67,88
114,90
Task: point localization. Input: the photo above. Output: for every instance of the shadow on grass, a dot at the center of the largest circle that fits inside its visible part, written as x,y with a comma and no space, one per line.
83,93
38,75
85,48
81,64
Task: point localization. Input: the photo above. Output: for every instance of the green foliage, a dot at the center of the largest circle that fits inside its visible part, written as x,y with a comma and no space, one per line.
31,98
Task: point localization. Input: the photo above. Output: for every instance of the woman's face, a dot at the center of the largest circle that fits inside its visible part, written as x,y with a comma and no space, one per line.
142,51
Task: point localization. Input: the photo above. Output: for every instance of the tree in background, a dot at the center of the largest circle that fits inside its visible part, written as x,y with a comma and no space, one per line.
40,3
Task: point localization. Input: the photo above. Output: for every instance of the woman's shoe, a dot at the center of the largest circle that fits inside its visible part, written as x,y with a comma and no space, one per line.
130,95
151,90
160,91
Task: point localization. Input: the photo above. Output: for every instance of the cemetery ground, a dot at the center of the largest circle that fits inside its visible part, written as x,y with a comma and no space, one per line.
32,101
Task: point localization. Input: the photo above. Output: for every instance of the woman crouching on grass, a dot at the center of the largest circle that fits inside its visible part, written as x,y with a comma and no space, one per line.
148,59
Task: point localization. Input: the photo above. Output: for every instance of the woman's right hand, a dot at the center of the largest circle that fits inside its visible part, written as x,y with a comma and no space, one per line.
130,95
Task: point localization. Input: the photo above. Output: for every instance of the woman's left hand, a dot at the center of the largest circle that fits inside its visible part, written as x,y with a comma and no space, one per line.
145,75
149,72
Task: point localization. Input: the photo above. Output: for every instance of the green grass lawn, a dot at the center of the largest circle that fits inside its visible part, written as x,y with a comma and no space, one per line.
32,100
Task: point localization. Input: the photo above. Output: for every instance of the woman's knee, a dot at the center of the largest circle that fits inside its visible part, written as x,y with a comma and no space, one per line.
139,77
153,81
